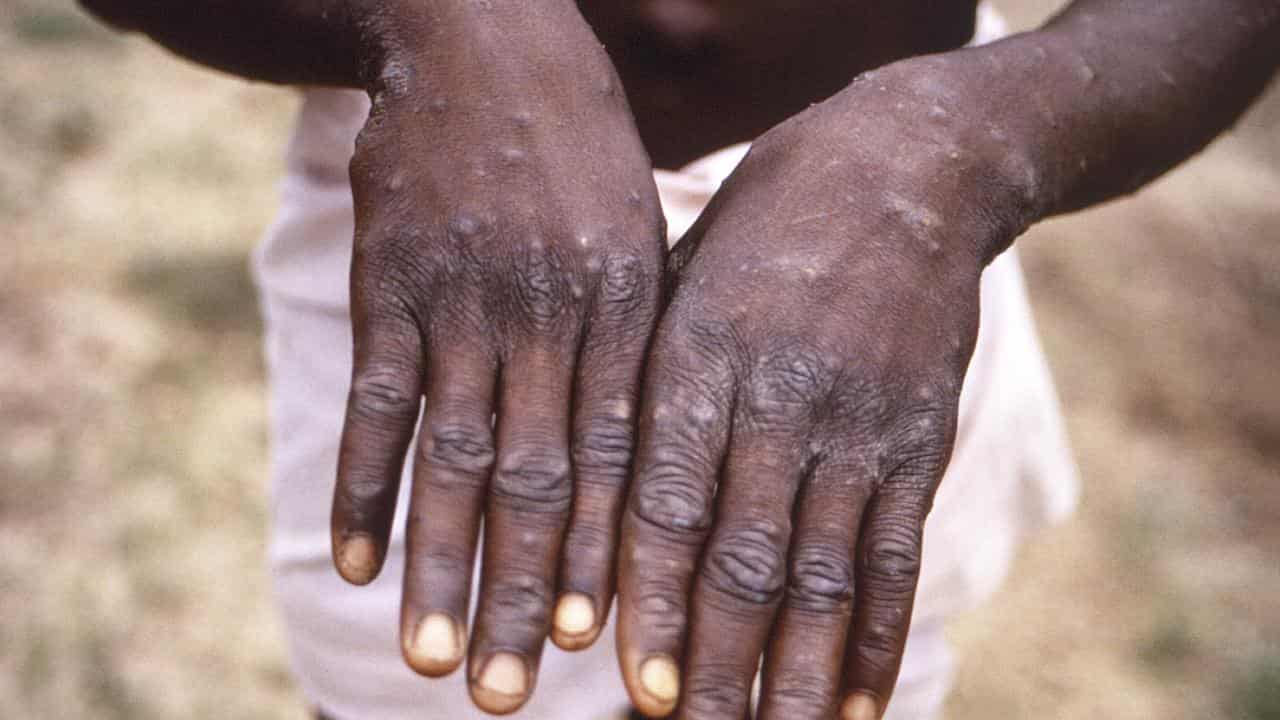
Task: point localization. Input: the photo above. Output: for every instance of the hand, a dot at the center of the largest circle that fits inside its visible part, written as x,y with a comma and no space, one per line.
801,400
508,254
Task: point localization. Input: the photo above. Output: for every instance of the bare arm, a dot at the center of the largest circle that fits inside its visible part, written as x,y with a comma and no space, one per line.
507,258
802,393
1112,93
320,42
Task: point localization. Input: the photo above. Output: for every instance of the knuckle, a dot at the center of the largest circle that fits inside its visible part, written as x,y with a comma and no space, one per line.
891,558
602,451
463,449
746,562
384,392
541,286
627,285
534,480
789,386
669,496
821,578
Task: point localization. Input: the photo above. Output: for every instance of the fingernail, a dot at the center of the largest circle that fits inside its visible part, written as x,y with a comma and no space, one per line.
358,559
661,678
436,647
575,614
502,684
860,707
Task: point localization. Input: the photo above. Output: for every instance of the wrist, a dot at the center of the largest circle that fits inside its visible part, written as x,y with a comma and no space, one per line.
1033,90
411,44
941,135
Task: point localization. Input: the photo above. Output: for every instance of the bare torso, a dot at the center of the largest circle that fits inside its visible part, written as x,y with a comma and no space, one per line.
703,74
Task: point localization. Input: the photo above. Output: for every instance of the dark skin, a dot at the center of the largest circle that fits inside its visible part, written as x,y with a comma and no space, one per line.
801,351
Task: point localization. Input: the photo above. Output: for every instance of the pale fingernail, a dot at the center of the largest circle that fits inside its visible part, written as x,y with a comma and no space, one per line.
358,559
502,683
575,614
661,678
859,707
436,647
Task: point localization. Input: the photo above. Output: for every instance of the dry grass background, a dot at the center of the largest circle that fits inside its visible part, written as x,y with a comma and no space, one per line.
132,448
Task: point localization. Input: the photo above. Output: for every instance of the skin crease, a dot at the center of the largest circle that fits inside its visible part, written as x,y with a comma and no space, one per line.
800,388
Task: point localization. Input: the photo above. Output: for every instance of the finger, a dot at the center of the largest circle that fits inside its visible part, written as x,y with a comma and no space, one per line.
605,400
382,409
451,473
684,429
743,572
888,569
528,506
802,669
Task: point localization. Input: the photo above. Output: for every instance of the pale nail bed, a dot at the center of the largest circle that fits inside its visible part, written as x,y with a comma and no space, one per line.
575,614
358,559
505,673
502,685
860,707
661,678
436,648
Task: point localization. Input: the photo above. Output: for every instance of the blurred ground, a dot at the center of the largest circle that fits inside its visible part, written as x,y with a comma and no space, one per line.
132,449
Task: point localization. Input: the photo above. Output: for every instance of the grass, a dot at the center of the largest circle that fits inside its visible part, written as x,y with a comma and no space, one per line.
1256,695
43,27
1168,644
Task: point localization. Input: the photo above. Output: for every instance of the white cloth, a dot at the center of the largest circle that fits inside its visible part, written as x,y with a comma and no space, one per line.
1011,471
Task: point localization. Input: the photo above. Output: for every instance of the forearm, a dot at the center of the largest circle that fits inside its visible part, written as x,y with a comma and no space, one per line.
1104,98
1119,91
347,43
322,42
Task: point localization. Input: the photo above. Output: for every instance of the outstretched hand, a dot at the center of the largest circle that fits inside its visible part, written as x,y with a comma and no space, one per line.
508,254
800,405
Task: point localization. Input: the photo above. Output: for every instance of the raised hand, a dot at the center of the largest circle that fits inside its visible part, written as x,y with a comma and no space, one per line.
508,253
